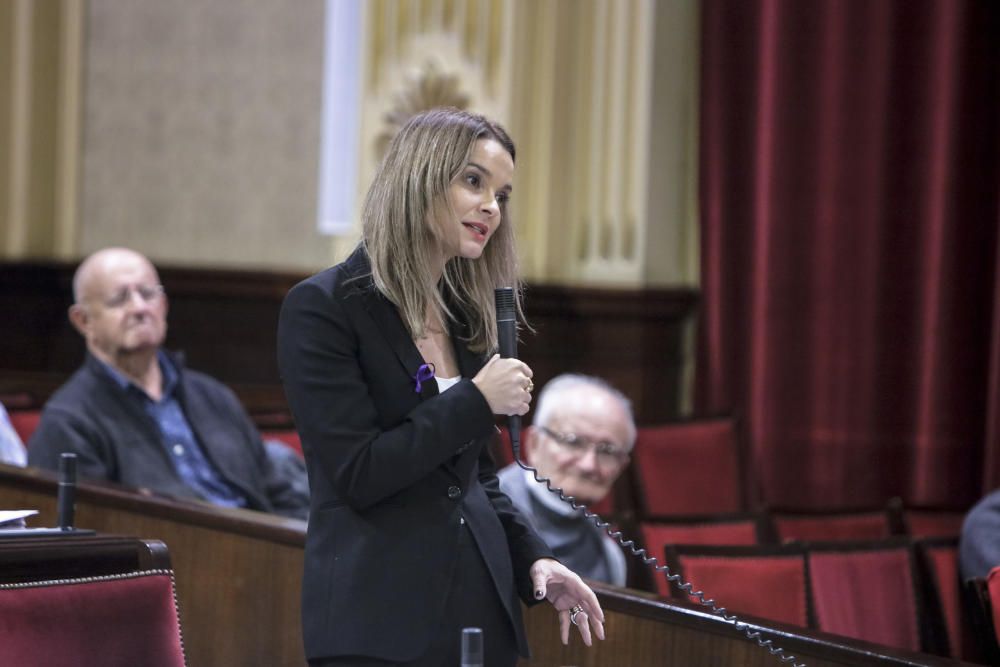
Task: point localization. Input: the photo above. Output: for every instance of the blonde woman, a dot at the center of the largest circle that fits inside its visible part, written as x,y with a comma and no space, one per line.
389,367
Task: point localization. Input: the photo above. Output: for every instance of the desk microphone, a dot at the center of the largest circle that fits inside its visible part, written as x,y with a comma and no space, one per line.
472,647
507,335
66,500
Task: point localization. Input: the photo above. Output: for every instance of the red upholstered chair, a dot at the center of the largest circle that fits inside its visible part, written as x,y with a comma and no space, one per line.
947,617
106,621
984,615
289,437
828,526
868,590
764,581
932,523
689,467
722,529
25,422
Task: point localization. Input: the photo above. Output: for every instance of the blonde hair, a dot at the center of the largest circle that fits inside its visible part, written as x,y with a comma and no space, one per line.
409,192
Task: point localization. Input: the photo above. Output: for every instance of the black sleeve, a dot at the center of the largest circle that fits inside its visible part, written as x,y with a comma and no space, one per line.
60,432
524,543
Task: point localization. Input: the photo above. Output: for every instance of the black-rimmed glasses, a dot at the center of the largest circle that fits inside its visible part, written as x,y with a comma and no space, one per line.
607,453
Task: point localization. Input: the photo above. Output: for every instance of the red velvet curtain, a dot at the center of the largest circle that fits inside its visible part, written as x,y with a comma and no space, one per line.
850,182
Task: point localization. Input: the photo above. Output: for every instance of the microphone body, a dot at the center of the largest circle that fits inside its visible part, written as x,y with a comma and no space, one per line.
472,647
507,335
66,499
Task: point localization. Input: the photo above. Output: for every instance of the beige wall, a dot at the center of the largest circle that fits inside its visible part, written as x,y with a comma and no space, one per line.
195,126
200,131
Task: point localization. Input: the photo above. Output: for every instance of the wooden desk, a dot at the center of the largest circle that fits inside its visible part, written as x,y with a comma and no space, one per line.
238,572
645,632
25,557
239,577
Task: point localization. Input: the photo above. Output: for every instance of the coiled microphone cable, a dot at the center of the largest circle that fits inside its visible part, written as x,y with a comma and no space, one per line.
651,561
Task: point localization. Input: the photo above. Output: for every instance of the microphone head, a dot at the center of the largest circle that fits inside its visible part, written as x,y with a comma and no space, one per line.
472,647
504,297
67,467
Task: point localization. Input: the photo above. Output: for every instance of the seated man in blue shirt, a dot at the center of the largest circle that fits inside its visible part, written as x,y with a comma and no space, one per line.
134,414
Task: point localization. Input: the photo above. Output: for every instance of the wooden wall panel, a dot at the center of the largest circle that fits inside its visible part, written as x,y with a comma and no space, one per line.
225,322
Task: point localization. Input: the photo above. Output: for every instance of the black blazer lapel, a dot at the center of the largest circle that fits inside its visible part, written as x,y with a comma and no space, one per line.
387,320
390,325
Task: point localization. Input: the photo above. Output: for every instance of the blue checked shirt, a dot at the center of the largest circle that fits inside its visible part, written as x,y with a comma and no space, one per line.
179,440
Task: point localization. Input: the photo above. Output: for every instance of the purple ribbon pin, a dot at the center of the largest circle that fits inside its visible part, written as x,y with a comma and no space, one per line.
424,373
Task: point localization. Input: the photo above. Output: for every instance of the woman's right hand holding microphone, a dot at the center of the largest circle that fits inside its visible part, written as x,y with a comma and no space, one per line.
506,384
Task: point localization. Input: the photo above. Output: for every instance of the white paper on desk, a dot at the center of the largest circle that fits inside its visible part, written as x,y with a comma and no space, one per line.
15,518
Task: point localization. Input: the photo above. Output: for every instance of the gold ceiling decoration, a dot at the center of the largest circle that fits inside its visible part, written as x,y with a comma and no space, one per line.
427,89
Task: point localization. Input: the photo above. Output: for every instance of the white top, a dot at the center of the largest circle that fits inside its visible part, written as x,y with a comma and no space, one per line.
447,383
11,448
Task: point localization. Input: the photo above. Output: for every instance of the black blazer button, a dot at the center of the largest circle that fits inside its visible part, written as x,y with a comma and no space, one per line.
454,492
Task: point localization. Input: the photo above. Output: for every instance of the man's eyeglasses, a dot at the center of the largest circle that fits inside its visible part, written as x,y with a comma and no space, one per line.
607,453
148,294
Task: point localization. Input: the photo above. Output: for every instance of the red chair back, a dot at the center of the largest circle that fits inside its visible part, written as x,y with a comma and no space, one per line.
831,526
867,591
993,589
933,523
656,535
768,582
25,422
289,437
982,619
939,560
690,467
112,621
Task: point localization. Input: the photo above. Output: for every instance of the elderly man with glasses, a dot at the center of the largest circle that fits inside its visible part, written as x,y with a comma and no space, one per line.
582,435
133,414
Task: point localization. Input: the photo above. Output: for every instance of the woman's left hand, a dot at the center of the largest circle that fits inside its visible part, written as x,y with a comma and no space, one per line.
572,598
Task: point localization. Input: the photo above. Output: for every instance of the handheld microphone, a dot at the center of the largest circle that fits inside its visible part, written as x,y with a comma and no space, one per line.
66,499
507,335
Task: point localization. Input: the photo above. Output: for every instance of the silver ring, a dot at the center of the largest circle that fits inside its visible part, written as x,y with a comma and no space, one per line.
573,613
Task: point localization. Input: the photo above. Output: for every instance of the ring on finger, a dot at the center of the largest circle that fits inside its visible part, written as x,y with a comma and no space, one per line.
573,613
529,387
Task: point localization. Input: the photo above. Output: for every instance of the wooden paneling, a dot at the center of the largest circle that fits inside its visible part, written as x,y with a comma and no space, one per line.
238,582
226,322
634,339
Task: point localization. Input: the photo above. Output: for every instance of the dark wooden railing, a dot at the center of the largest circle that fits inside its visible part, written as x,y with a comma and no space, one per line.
238,582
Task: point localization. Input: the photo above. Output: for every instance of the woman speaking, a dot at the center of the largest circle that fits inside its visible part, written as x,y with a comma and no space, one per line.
389,368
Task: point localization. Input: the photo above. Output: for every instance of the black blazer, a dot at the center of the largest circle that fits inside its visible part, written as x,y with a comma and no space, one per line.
391,472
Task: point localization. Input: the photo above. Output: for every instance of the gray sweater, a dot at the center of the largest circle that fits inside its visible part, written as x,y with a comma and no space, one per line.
574,539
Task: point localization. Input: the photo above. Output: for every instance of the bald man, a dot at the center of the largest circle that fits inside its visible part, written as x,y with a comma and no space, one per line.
581,438
133,414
